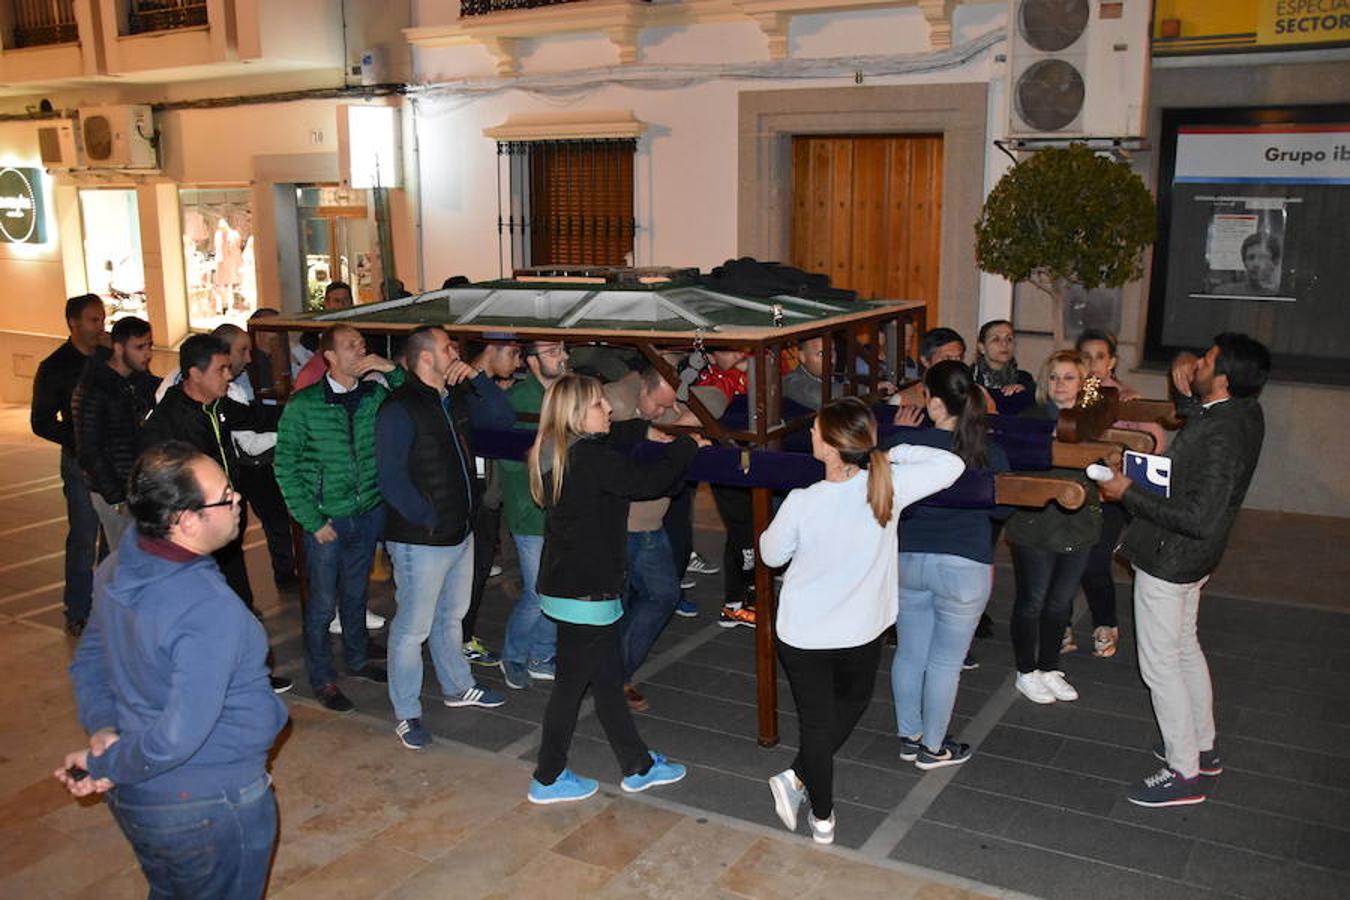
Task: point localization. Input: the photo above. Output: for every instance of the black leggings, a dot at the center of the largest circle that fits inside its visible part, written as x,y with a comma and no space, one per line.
831,689
1098,585
589,656
734,506
487,528
1046,584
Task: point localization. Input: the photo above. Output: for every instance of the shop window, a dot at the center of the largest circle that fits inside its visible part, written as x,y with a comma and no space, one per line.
112,251
339,242
570,202
222,285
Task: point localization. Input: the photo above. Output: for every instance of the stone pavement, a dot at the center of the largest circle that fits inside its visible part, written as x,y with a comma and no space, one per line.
1039,810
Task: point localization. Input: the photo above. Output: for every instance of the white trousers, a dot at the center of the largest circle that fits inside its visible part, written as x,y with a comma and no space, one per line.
1174,667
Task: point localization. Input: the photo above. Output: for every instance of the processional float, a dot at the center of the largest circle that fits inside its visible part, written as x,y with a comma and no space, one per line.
761,443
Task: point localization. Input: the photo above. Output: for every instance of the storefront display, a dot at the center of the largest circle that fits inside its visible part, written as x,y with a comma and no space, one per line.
112,250
339,242
218,256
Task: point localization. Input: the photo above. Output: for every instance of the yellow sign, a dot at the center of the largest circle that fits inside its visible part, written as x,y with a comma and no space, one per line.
1303,21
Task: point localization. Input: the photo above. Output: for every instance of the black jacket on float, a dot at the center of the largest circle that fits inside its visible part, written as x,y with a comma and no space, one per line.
109,410
586,532
207,426
424,456
53,386
1181,538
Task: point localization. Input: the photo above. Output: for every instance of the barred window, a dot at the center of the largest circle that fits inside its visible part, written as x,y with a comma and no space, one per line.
567,202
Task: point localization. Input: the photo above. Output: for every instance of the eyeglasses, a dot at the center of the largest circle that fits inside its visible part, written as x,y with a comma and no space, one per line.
231,498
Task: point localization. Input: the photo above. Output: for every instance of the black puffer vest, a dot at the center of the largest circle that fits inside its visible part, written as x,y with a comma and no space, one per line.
440,464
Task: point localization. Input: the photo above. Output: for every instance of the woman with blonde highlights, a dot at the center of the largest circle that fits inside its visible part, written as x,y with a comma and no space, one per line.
840,590
583,478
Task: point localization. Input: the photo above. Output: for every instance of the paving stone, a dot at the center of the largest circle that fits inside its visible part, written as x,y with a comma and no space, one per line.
1249,874
1039,783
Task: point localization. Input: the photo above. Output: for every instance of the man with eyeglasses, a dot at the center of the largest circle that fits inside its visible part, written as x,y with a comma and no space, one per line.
171,685
531,637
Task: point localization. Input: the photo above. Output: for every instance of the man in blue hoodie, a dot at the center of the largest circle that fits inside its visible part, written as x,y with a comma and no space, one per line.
172,688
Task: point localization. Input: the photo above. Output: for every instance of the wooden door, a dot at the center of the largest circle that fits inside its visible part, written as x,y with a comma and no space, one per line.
867,211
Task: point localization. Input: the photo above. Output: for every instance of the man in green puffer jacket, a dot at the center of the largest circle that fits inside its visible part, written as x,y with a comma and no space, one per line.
325,466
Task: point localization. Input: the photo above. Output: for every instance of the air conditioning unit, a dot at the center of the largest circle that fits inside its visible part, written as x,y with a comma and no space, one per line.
118,137
1078,68
56,144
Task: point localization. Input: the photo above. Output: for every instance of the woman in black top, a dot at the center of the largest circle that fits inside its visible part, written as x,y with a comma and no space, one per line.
584,483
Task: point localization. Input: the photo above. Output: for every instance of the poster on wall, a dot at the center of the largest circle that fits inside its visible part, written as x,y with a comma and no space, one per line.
22,217
1254,207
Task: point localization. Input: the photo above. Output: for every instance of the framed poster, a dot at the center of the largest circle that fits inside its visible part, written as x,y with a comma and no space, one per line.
1254,206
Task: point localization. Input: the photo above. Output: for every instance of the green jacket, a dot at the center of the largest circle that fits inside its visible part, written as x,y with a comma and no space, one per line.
325,460
1056,529
518,507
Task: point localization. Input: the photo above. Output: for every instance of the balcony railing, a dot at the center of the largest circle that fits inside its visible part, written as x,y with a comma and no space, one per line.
41,22
483,7
165,15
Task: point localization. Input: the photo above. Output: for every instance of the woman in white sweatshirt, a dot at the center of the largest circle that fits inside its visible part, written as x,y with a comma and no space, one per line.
840,591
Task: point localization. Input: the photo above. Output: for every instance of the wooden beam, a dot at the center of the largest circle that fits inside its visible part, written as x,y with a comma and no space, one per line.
1138,441
1081,455
1036,491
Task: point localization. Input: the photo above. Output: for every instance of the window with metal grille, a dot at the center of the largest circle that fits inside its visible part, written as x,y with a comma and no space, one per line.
39,22
567,202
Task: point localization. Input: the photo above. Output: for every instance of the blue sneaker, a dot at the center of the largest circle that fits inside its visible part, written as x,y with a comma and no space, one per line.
567,787
413,734
476,696
516,677
909,748
662,772
686,608
542,671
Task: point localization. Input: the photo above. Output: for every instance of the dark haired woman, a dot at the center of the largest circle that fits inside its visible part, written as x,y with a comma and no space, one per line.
1050,549
946,573
995,365
839,592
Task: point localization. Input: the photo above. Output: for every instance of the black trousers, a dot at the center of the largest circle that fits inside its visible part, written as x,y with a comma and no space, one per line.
734,506
1098,586
258,484
679,526
230,558
831,689
589,656
1046,584
487,532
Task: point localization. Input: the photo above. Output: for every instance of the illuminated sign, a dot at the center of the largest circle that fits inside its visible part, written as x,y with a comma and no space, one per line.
21,213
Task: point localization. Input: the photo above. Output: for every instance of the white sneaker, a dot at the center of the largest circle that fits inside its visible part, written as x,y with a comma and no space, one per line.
494,571
1034,688
374,622
788,794
821,832
1059,686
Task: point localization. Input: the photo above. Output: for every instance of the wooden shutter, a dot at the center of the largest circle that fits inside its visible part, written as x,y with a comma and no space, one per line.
581,202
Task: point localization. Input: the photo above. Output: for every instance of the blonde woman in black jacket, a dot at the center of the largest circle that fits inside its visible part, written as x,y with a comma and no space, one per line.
584,484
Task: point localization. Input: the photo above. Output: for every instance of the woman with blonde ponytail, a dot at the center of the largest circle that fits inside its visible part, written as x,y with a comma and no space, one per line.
840,590
583,478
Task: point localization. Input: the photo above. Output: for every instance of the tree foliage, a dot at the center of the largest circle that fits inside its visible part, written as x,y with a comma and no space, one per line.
1066,215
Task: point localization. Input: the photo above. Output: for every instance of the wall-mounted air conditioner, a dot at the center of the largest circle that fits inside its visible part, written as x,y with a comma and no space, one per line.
1078,68
56,144
118,137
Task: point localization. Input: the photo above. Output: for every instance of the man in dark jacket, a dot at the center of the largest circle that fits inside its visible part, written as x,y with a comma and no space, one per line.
425,462
51,418
171,686
109,406
1175,542
197,412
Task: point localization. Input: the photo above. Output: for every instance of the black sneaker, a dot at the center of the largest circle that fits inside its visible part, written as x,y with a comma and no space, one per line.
372,672
332,698
1166,787
280,683
909,748
75,627
1210,763
970,663
986,627
953,753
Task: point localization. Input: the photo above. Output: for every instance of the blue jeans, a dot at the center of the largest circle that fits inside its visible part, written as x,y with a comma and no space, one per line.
215,846
941,599
531,636
649,601
339,572
434,586
81,539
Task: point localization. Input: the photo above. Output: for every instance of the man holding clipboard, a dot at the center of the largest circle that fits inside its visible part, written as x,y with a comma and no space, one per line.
1177,539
